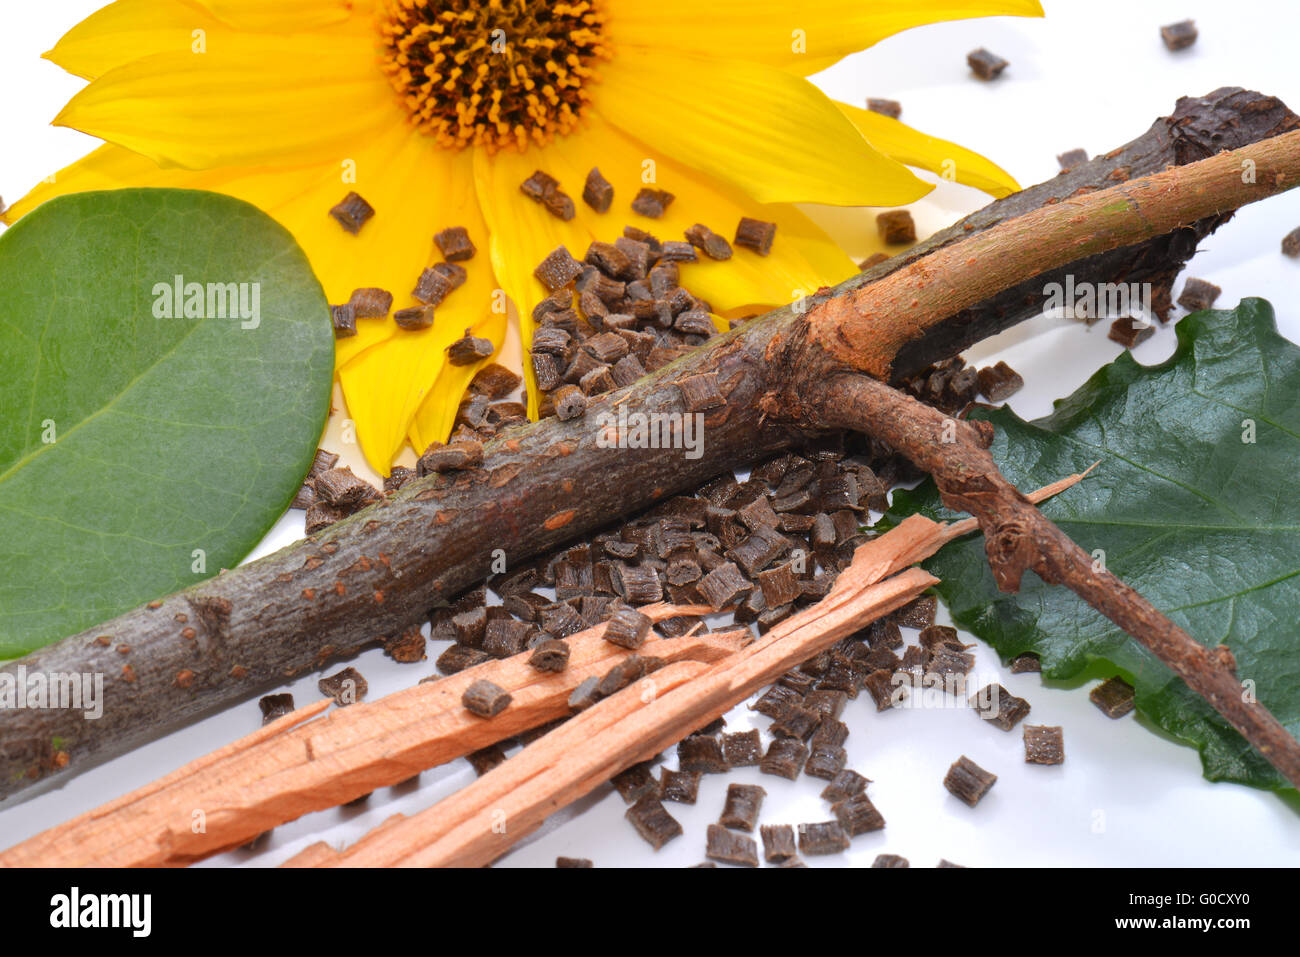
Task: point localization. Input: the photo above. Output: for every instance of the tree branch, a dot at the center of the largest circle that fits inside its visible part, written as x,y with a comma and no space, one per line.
1018,537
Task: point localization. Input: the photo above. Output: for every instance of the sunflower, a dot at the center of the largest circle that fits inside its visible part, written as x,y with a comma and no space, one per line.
436,111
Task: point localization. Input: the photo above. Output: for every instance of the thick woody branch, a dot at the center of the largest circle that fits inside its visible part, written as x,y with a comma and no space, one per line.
1019,538
374,575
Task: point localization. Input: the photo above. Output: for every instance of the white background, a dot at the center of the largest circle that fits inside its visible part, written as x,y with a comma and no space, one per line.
1093,74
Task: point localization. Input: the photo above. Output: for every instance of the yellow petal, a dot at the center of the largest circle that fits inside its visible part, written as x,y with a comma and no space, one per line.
128,30
285,16
901,142
386,384
772,134
803,37
267,100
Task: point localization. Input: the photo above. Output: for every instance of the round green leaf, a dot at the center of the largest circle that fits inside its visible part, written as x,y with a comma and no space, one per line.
147,441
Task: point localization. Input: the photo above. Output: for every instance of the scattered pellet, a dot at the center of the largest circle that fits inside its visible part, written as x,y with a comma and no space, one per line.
344,320
857,815
985,65
371,303
653,822
918,613
485,699
675,251
1198,294
275,706
830,733
585,695
896,227
506,637
967,781
573,862
485,759
339,488
728,847
890,108
875,259
680,786
639,584
570,402
999,382
635,782
740,811
345,687
1072,158
825,762
495,381
598,192
432,287
558,269
630,669
702,753
469,349
755,234
797,722
454,273
408,647
889,860
785,758
844,785
458,455
944,862
1129,332
743,749
999,707
708,242
1026,662
884,690
627,628
459,657
1044,744
414,318
723,587
538,185
352,213
1114,696
1179,36
778,843
826,837
700,392
1291,244
652,202
455,244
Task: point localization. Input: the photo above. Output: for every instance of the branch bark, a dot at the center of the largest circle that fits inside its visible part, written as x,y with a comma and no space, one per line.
375,574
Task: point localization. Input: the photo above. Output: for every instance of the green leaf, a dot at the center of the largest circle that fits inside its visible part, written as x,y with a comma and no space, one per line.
138,453
1200,519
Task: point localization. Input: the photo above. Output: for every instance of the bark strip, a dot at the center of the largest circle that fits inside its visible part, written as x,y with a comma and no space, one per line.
375,574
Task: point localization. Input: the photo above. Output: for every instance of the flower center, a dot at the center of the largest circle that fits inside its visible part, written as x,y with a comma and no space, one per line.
492,73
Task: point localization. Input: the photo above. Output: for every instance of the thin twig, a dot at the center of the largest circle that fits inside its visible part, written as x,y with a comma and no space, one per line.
1018,537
